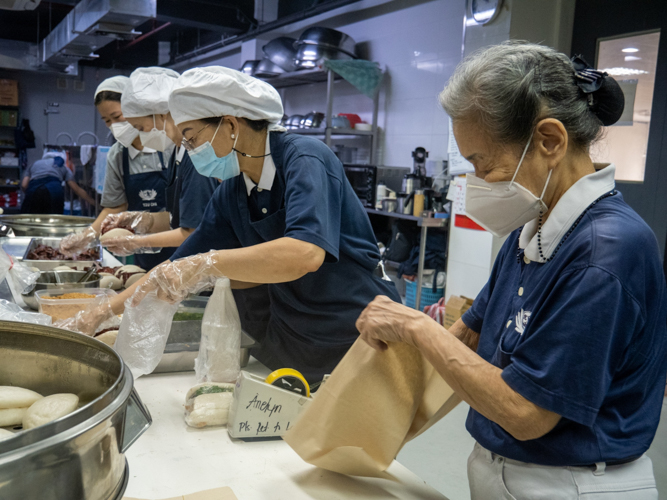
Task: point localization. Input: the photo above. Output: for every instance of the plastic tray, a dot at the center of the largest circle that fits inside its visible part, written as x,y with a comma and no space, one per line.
66,308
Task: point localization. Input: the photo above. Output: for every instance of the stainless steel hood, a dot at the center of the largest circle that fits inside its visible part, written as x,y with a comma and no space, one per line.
91,25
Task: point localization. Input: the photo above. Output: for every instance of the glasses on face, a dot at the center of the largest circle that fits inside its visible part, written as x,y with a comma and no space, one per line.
188,144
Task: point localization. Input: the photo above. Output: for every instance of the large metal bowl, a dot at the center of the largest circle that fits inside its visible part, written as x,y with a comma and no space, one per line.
66,280
328,38
45,225
311,56
81,455
281,52
266,69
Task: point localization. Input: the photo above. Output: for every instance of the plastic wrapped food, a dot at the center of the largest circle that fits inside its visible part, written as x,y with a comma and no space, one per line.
76,243
208,404
136,222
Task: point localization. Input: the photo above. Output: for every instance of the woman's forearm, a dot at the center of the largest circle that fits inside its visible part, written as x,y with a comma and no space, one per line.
480,383
161,223
166,239
277,261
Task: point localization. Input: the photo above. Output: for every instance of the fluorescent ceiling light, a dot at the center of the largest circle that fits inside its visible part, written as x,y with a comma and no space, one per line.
633,58
630,50
624,71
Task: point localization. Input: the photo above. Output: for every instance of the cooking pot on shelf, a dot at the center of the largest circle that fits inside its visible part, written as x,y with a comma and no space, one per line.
266,69
249,67
327,38
80,455
294,121
281,52
313,119
310,56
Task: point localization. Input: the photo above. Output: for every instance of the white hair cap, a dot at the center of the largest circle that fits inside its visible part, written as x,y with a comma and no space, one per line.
148,91
217,91
114,84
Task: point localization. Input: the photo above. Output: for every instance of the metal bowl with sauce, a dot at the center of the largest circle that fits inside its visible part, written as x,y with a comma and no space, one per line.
66,280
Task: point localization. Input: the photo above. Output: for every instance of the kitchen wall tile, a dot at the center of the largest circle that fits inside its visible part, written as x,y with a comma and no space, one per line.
411,116
465,279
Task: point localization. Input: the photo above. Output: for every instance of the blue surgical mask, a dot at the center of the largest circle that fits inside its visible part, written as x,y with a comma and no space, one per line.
208,164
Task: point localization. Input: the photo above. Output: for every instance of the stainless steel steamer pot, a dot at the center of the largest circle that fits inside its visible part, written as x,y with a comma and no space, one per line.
81,455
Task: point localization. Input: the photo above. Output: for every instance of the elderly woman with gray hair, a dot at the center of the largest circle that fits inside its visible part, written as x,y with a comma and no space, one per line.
563,355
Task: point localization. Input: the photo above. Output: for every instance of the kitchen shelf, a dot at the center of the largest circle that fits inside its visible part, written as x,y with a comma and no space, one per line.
296,78
338,132
422,221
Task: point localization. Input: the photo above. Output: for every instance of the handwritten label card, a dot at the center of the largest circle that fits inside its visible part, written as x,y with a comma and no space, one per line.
260,410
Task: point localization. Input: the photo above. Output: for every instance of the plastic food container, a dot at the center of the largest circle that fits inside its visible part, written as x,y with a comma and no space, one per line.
67,308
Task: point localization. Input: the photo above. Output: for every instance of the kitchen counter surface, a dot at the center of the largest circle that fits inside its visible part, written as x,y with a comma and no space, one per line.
173,459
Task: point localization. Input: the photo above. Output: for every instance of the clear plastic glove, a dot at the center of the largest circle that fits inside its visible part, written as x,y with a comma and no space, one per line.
97,316
124,246
139,222
173,281
76,243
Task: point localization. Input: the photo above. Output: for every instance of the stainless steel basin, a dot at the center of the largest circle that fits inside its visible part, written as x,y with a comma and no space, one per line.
45,225
81,455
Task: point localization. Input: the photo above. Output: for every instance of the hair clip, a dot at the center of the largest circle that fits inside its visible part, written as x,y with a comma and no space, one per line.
589,80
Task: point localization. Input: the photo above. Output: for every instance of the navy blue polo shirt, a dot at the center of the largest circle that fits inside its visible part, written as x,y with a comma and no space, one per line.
312,318
583,335
196,192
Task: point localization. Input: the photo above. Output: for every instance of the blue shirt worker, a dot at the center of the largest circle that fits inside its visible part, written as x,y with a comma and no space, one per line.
563,355
43,185
284,216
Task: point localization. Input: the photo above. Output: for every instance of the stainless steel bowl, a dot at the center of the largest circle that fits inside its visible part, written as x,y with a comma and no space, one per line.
313,119
281,52
249,67
80,455
328,38
266,69
294,121
310,56
68,280
45,225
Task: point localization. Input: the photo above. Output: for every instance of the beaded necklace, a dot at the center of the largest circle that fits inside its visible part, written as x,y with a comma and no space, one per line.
569,232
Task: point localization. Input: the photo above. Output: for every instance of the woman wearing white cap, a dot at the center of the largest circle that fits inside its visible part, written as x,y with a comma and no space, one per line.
127,154
144,104
291,220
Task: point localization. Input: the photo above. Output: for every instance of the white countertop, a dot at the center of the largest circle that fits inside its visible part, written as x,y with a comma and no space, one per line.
173,459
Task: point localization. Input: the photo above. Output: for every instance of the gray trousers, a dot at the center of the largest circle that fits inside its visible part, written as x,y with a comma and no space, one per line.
493,477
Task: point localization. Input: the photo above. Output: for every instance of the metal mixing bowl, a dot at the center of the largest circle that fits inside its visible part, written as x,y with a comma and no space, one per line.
68,280
81,455
329,38
45,225
281,52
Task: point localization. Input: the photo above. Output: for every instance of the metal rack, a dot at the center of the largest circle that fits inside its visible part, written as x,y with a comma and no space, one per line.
306,77
11,171
425,223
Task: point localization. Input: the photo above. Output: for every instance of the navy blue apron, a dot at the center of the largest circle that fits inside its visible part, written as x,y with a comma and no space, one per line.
147,192
280,347
44,196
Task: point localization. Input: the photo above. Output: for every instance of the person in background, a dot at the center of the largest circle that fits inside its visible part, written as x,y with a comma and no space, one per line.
563,355
133,172
144,104
43,186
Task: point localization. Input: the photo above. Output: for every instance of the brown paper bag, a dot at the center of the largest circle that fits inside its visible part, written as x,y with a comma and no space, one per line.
373,403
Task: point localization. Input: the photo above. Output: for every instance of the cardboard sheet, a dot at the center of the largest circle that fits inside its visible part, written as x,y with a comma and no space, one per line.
373,403
225,493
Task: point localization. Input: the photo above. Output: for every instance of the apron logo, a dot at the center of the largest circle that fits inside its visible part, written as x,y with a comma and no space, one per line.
521,321
148,194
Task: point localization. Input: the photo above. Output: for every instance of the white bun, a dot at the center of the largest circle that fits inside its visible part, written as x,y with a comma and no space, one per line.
115,233
49,408
133,279
110,281
109,338
17,397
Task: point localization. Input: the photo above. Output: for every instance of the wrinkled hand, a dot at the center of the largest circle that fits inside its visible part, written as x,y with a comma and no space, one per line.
125,246
139,222
385,321
95,317
76,243
174,281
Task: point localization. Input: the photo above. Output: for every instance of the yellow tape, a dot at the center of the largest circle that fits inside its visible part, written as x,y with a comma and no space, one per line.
287,373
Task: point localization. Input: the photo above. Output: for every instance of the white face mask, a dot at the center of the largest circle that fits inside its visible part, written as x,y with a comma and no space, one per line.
502,207
124,133
156,139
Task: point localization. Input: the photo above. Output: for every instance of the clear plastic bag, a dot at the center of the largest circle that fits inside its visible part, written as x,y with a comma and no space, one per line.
13,312
143,333
23,279
219,358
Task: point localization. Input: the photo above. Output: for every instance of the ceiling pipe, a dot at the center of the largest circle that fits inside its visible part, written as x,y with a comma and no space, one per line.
145,35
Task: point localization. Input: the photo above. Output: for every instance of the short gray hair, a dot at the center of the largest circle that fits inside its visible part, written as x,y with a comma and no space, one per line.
509,87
